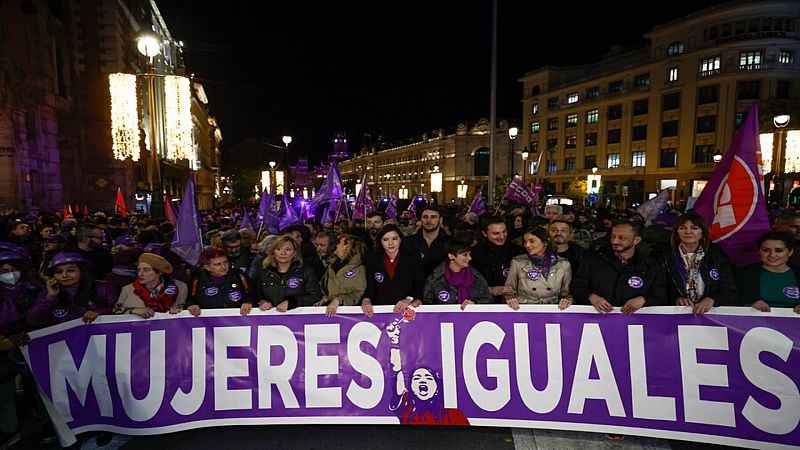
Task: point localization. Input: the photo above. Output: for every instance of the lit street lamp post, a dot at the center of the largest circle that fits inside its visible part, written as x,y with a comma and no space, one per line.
148,45
778,160
272,181
512,134
286,141
525,155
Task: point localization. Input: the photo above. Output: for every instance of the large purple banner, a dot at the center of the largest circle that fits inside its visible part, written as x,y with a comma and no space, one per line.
730,377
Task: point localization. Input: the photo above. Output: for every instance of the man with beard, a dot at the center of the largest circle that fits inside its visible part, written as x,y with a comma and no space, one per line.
492,256
239,256
430,239
90,239
620,276
560,232
374,223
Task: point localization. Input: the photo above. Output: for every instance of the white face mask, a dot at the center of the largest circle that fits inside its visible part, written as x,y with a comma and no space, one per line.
10,278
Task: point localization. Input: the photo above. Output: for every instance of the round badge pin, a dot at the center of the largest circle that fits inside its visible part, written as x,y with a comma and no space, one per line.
379,277
635,282
443,296
293,282
714,274
350,273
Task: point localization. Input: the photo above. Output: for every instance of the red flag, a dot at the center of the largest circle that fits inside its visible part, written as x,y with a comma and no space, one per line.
66,213
119,205
70,210
77,207
86,209
733,200
169,210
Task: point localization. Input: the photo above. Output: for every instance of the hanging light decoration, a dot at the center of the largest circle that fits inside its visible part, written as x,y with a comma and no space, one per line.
124,116
766,152
177,97
792,151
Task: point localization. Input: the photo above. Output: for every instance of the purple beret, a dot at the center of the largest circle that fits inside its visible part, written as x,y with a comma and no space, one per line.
8,256
124,240
65,258
13,248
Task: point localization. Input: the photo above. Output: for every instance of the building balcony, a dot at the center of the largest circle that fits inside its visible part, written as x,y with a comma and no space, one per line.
705,166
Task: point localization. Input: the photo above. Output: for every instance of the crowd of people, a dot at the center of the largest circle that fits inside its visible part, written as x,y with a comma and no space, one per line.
55,269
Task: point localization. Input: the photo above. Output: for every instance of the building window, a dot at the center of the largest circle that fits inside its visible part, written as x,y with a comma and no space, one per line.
676,48
669,129
481,163
614,112
536,90
738,119
640,133
593,92
703,154
672,101
535,127
783,89
748,90
669,157
615,87
614,136
552,124
569,163
572,98
638,158
750,60
642,80
534,146
706,124
672,74
535,109
589,161
572,120
593,116
613,160
571,141
552,144
552,166
591,139
640,107
533,167
710,66
552,102
785,57
708,94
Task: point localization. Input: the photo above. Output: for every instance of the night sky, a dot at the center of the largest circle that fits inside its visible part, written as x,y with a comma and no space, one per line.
389,68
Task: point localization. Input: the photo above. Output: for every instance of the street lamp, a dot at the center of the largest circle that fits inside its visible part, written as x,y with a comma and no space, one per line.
512,134
525,155
272,165
778,160
717,157
286,141
436,181
149,45
462,190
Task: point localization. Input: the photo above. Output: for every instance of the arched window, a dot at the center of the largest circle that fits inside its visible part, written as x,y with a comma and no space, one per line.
481,162
676,48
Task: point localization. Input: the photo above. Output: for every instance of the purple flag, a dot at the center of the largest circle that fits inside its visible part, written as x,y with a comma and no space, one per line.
287,213
331,188
733,200
653,207
169,208
521,193
187,243
413,208
246,220
477,206
364,204
391,208
262,208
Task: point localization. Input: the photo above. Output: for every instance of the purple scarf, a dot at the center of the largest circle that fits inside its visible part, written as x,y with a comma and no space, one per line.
543,263
462,280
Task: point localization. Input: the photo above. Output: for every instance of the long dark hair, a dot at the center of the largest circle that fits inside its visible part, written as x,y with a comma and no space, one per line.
86,287
543,236
382,233
696,219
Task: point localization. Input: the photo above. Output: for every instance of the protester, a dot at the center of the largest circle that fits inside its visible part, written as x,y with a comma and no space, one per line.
430,240
492,256
154,291
325,244
771,283
454,281
239,256
345,279
283,281
560,232
216,286
90,239
540,276
394,273
699,274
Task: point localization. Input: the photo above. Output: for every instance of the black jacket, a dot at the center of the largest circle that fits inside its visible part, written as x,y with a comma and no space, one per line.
241,262
604,275
408,281
748,280
574,254
493,262
715,269
298,285
431,256
231,292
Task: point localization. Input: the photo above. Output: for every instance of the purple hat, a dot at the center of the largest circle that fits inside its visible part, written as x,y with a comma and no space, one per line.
124,240
153,247
30,218
55,238
8,256
64,258
13,248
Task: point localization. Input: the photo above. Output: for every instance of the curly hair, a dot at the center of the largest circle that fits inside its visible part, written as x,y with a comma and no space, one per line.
211,253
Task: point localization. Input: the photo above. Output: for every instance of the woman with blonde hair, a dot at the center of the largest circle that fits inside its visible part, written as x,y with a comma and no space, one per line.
345,279
283,281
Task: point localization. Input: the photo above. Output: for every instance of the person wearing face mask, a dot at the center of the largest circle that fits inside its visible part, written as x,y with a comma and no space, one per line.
454,282
344,280
540,276
283,281
216,286
394,273
153,291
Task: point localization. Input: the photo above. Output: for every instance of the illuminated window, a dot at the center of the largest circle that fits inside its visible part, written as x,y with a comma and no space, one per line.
638,158
785,57
676,48
593,116
672,74
710,66
572,98
535,127
572,120
613,160
750,60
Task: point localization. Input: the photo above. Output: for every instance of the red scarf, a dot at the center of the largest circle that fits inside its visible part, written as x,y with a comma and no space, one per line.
161,298
389,265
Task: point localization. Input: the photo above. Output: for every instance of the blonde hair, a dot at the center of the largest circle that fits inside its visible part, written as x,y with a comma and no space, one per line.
270,259
355,244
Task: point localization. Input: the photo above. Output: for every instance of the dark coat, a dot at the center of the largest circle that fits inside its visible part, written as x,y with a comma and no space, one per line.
437,284
408,280
494,261
604,275
748,280
298,285
231,292
19,299
431,256
47,310
716,272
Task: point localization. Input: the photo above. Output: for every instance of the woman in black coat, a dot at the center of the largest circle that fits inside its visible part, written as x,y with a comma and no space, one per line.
283,281
394,273
699,274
